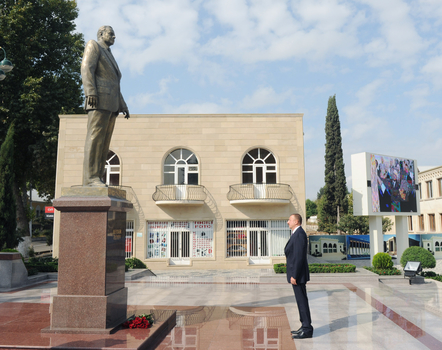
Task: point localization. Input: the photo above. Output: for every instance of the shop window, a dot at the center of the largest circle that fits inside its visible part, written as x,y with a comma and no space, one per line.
112,170
181,168
259,167
180,239
256,238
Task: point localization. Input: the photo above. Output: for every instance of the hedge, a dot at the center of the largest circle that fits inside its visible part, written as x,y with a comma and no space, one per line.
383,272
320,268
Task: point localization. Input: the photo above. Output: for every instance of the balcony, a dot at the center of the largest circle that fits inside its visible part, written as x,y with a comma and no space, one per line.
179,195
260,194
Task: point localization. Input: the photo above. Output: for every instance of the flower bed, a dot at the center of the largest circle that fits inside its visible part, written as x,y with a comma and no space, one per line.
320,268
44,264
141,321
384,272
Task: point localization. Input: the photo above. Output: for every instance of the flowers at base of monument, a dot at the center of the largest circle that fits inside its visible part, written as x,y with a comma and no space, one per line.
141,321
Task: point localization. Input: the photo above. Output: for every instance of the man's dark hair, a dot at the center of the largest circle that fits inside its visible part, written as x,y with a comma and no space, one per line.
298,218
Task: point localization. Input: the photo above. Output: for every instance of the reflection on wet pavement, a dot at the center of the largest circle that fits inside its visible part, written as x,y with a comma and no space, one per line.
223,327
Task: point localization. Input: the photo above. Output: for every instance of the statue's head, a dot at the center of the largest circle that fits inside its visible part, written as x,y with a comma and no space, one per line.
106,34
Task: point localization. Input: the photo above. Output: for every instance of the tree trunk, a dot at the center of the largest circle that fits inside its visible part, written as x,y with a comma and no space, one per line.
22,221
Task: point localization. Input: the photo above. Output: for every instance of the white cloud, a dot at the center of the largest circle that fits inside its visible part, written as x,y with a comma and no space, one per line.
157,98
199,108
275,30
264,96
419,97
399,41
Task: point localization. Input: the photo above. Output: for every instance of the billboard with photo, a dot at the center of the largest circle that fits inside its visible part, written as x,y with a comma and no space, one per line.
384,185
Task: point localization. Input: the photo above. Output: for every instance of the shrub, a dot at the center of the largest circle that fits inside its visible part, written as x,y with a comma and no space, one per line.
320,268
382,261
418,254
383,272
429,274
134,263
43,264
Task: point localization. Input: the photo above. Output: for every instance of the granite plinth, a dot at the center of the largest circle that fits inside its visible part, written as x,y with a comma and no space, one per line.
12,271
91,271
88,314
84,191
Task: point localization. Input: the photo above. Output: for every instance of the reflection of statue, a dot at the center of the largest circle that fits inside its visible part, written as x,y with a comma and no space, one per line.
103,102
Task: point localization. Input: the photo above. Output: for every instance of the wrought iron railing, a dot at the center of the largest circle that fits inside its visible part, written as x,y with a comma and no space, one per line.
259,192
179,193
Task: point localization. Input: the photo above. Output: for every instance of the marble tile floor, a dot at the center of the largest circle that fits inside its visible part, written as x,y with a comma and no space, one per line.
254,309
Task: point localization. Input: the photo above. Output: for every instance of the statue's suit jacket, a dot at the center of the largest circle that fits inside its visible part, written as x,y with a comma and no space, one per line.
296,254
101,77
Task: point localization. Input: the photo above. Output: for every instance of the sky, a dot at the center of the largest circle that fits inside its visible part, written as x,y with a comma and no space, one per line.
381,58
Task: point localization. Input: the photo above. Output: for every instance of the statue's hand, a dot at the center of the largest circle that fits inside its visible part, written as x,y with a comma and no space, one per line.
126,114
92,101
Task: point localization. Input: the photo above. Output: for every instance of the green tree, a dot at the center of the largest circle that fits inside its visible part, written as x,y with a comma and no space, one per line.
334,195
40,40
351,224
311,208
8,220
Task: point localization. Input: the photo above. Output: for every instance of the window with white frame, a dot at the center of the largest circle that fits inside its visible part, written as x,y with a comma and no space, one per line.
429,189
112,170
259,167
256,238
181,168
180,239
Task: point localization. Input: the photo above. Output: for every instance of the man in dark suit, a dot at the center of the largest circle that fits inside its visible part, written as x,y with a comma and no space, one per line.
101,82
298,274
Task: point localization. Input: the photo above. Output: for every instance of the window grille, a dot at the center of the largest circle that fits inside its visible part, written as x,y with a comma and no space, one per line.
256,238
129,238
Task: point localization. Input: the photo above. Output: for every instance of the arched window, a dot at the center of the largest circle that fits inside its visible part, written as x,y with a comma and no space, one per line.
335,248
112,170
324,248
437,247
258,167
181,168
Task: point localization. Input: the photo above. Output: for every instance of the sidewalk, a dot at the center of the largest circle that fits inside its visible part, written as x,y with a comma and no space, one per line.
255,309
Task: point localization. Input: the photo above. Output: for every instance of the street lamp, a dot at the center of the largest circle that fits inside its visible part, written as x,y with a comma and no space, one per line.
5,66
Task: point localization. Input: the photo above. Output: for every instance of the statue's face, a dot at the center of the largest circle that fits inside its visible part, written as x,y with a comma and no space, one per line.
108,36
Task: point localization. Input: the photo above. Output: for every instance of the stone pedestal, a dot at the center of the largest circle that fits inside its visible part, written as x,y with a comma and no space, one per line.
13,273
91,295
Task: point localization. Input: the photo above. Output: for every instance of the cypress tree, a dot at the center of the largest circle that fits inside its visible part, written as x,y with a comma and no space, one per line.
8,215
334,200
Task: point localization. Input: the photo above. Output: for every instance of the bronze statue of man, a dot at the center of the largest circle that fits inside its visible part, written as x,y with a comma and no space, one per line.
103,102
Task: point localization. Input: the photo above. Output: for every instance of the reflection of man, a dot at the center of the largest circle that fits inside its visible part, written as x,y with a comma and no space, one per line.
101,82
298,274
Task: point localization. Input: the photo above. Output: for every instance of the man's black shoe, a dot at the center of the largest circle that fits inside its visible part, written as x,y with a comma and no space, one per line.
297,332
302,335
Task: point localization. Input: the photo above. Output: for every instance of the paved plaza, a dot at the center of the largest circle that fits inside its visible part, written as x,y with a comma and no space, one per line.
253,309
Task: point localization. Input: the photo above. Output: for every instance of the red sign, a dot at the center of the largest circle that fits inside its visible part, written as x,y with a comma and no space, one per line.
49,210
128,244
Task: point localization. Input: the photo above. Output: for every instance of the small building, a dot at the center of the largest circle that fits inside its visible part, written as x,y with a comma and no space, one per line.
209,191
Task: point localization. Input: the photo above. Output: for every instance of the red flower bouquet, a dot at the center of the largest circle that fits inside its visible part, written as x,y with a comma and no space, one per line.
141,321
